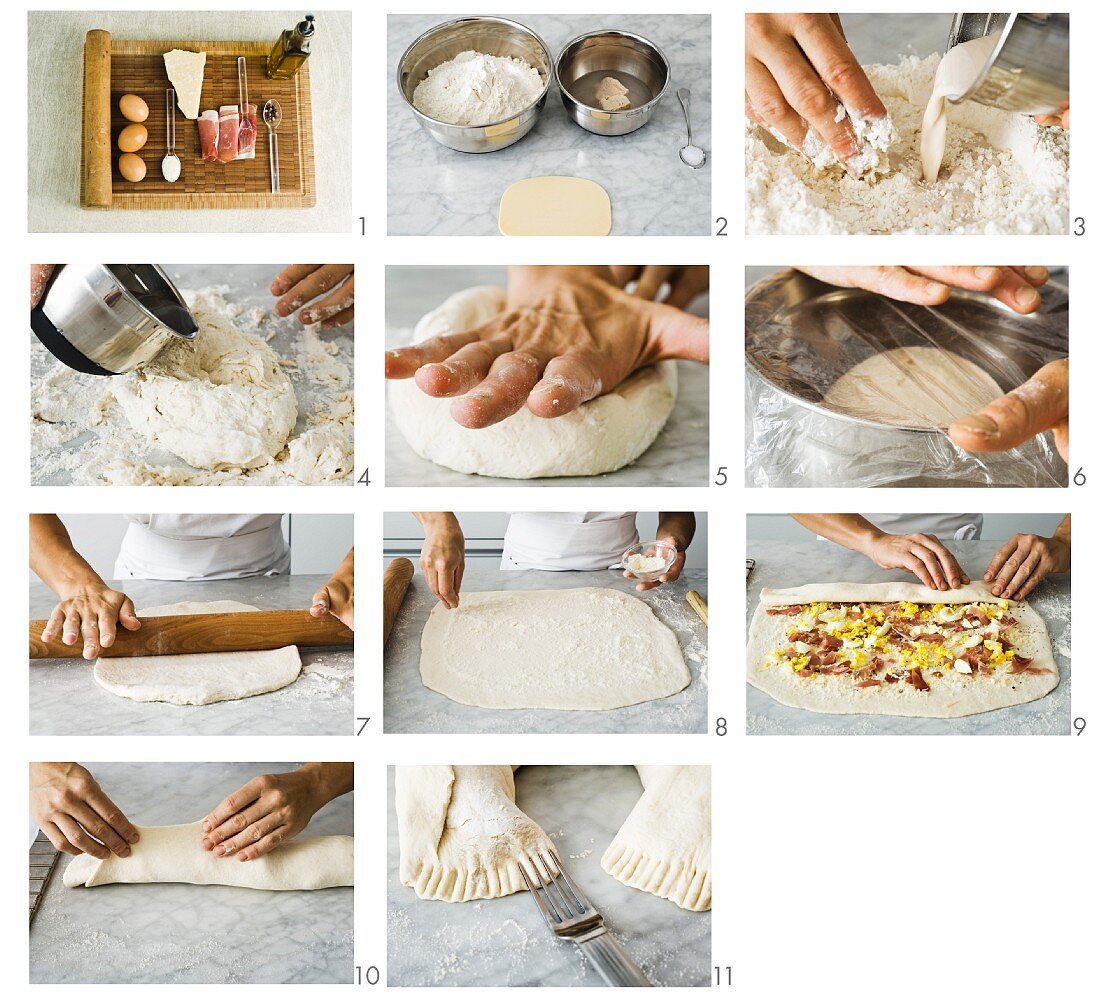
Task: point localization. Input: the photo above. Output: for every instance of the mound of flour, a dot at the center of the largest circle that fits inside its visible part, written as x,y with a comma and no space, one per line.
1002,173
477,89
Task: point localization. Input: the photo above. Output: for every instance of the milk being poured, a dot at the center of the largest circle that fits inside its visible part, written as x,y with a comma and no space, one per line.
958,71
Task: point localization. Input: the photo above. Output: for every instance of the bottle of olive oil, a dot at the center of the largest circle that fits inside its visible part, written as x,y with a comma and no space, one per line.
291,50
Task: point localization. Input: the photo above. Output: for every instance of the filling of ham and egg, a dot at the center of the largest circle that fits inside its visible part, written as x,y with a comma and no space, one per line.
874,644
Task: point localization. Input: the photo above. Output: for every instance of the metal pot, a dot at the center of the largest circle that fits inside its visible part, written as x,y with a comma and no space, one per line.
604,51
492,36
1028,72
106,319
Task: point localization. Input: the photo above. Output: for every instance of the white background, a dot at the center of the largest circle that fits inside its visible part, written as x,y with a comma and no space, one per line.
843,867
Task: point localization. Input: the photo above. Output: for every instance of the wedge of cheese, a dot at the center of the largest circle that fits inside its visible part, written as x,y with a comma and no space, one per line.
185,70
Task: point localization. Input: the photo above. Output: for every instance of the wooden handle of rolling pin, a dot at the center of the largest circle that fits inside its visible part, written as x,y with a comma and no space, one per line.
96,149
189,633
698,604
395,584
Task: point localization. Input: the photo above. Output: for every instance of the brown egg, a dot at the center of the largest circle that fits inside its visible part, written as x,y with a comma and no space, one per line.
132,167
132,138
133,108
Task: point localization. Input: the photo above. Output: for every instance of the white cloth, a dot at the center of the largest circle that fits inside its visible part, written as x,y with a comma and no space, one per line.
557,542
196,546
945,526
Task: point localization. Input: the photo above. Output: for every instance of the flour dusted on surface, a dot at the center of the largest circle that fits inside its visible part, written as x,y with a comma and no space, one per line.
477,89
1002,173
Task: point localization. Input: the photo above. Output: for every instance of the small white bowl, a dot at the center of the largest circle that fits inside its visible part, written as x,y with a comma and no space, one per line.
658,549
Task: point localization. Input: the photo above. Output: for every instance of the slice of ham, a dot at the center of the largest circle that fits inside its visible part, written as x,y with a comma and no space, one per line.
1022,664
786,611
229,127
917,680
208,136
869,683
892,678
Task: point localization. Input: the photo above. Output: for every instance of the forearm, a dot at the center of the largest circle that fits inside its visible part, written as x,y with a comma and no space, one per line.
849,530
439,524
679,526
54,560
330,780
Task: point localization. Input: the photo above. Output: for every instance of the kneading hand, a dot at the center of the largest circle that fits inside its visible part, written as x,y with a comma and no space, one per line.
92,614
74,813
1014,286
924,555
1040,404
568,334
266,812
443,561
1023,562
685,283
797,66
298,284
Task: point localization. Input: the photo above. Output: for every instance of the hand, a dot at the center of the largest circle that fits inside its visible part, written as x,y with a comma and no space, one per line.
74,813
1040,404
265,813
1023,562
40,277
670,575
337,596
1055,119
298,284
443,561
91,612
569,334
1014,286
797,67
684,283
921,554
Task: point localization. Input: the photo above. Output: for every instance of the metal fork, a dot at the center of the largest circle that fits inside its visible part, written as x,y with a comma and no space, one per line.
571,916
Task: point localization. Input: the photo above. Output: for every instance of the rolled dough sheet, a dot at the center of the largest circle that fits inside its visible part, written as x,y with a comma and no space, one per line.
202,678
950,696
914,387
555,206
175,854
584,649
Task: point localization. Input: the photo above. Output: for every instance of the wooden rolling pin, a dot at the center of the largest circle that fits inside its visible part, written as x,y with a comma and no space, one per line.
395,584
698,604
98,150
245,631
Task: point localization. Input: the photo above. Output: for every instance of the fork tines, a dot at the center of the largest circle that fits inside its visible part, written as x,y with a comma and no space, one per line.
563,905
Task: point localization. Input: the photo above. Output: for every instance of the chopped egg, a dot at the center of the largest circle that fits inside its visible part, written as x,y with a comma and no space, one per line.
962,666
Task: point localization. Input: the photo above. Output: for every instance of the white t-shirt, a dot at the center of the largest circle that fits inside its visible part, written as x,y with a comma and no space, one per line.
196,546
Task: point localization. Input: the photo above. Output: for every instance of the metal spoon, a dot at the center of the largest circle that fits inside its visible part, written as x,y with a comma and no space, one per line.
691,154
170,165
273,114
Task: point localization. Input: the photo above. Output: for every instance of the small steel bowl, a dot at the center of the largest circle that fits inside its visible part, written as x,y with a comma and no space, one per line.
492,36
604,51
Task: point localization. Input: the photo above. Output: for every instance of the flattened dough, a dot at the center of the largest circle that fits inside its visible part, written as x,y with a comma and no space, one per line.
175,853
555,206
951,696
585,649
203,678
600,436
913,387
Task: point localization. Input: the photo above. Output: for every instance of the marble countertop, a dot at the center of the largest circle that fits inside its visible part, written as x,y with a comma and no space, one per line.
246,288
783,563
55,79
680,456
409,706
436,191
65,700
181,933
504,941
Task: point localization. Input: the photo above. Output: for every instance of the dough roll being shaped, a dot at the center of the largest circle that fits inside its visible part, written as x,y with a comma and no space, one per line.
175,854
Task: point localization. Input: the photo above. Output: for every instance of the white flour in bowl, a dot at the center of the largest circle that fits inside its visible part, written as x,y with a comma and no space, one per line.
477,89
1002,173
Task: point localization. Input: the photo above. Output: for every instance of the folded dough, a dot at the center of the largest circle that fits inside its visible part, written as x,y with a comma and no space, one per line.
175,853
664,845
462,836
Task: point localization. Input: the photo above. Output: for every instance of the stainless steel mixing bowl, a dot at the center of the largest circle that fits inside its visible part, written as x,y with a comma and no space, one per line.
491,36
1028,72
106,319
603,51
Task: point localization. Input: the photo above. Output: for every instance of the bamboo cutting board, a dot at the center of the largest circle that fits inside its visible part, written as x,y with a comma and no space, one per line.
115,67
196,633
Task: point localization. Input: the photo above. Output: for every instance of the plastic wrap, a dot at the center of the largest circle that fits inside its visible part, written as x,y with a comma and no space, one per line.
848,388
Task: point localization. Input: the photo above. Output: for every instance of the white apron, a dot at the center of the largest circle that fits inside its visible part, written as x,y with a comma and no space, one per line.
196,546
561,541
945,526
